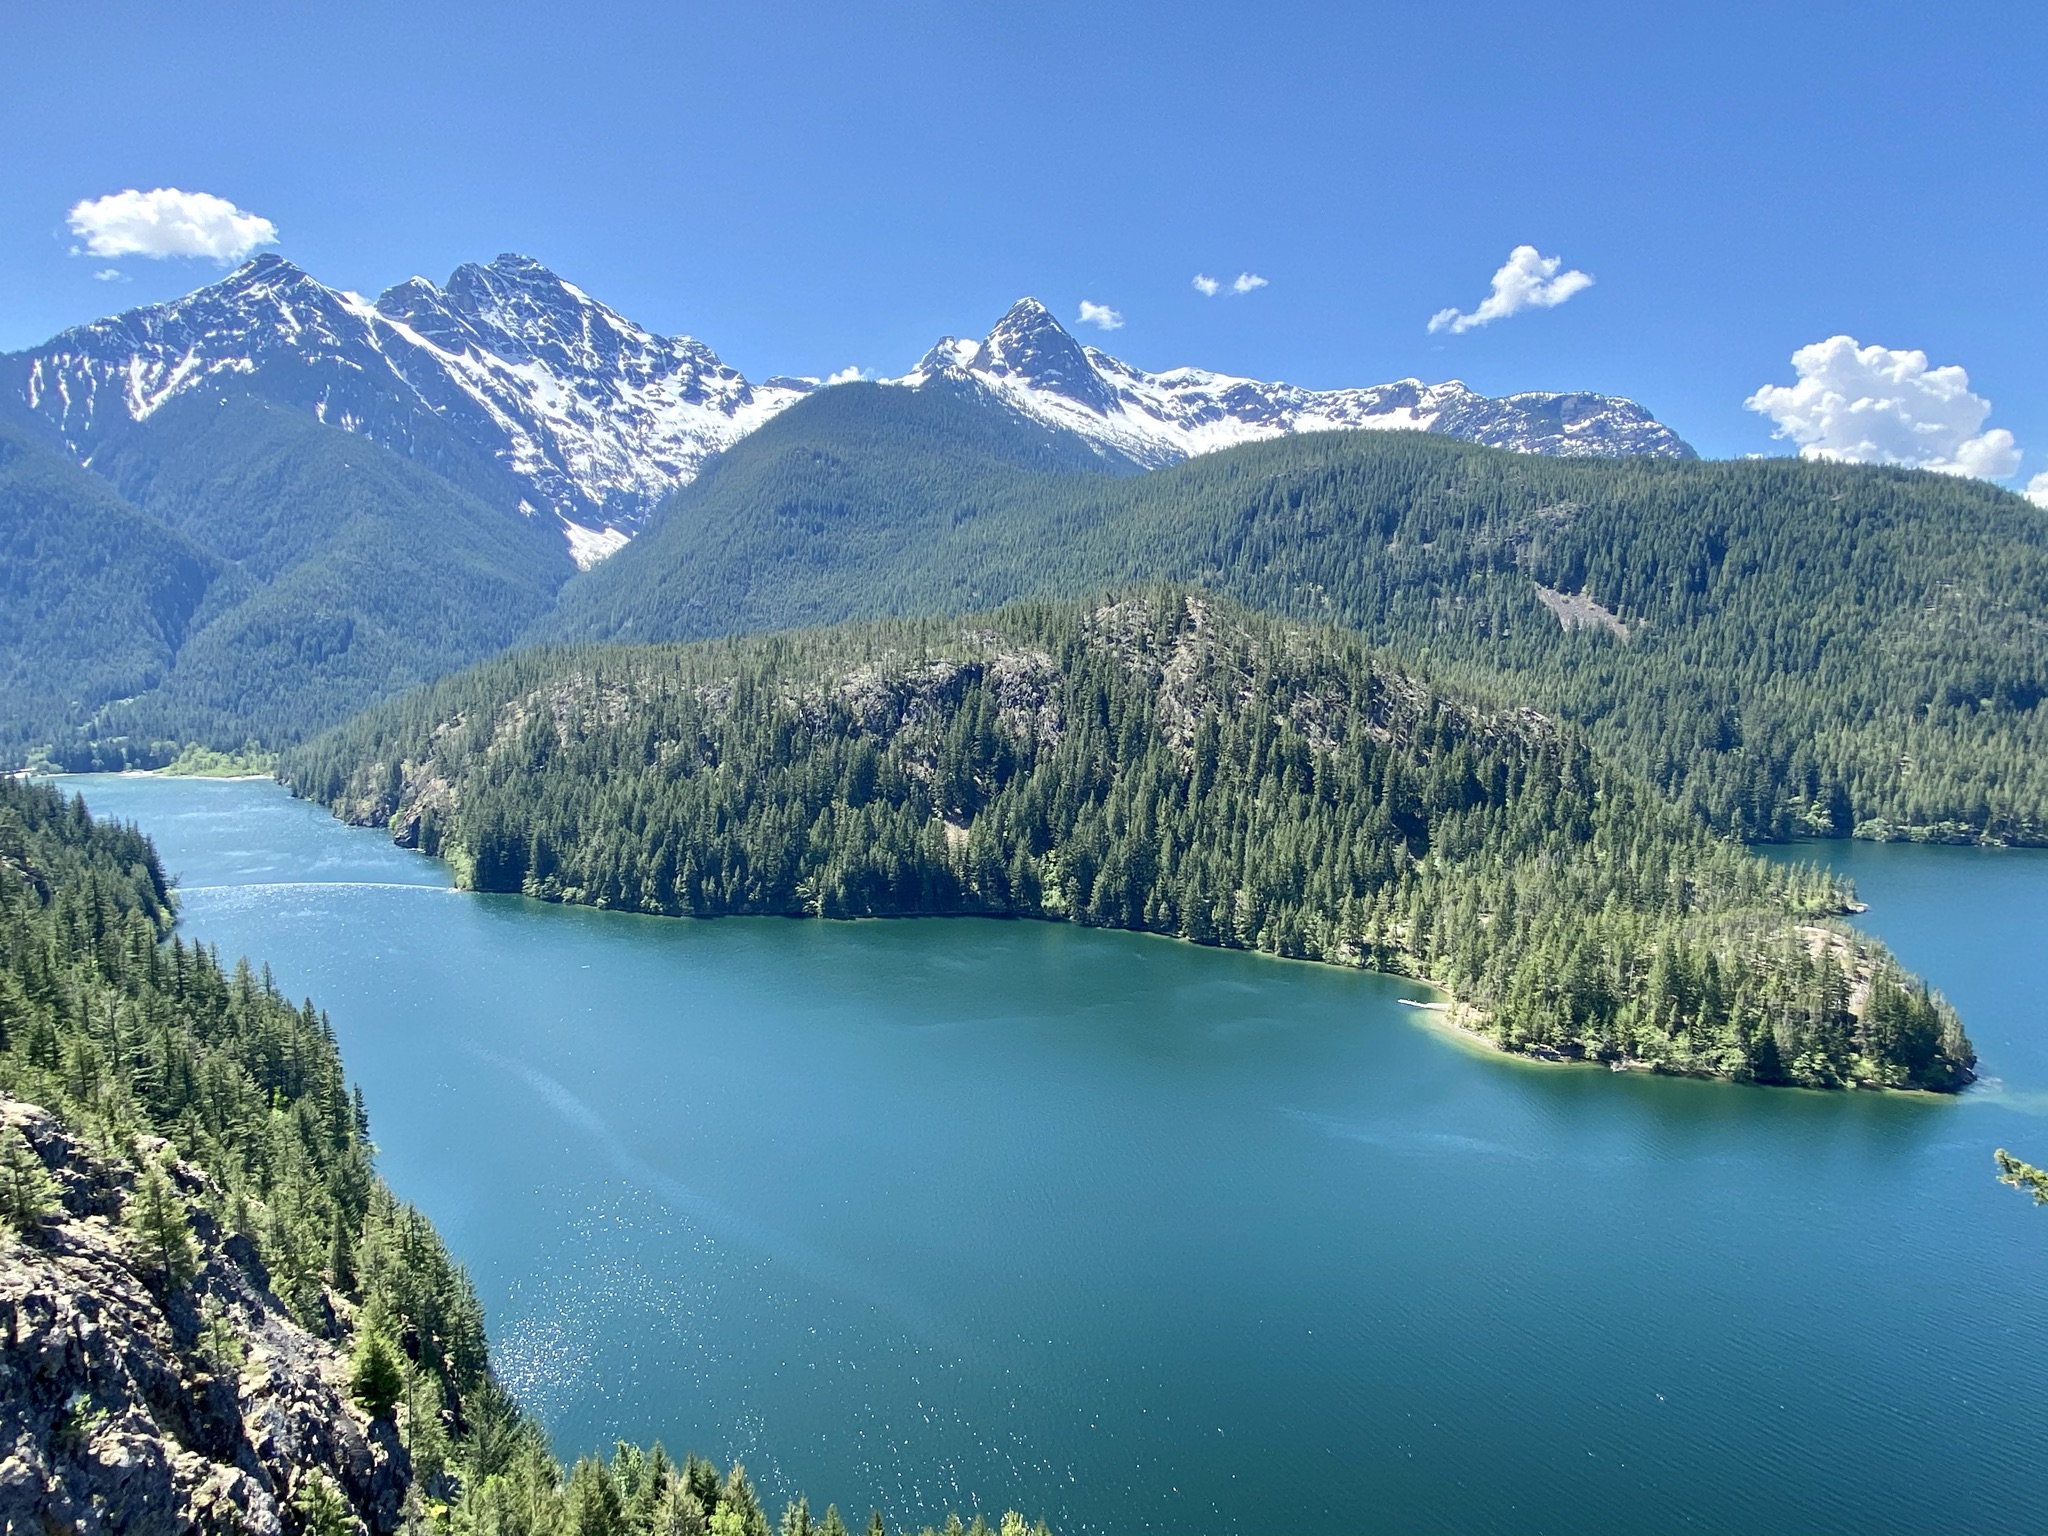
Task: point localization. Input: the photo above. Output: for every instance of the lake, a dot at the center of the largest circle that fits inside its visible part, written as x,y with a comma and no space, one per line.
1146,1237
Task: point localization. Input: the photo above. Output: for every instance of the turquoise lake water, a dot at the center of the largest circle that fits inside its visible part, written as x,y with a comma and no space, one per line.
1146,1237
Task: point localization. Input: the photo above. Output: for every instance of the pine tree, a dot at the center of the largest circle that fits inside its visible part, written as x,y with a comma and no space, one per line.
321,1509
594,1507
220,1346
157,1222
680,1512
28,1195
739,1511
376,1381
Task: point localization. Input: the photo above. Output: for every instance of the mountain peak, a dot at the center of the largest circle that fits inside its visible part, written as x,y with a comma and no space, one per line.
947,353
1028,313
1029,346
269,271
508,273
509,270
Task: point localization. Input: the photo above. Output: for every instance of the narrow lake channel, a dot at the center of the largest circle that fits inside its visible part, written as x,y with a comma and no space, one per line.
1141,1236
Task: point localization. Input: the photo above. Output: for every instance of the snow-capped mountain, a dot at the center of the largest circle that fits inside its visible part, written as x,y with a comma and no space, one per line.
1030,361
593,417
574,412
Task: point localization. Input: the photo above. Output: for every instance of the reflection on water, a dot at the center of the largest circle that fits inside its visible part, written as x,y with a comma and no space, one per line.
1147,1237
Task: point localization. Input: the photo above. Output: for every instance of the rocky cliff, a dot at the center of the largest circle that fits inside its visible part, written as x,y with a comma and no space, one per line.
140,1398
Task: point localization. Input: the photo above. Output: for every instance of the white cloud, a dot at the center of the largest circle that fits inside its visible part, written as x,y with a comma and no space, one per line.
2037,489
168,222
845,376
1206,285
1246,282
1871,405
1525,281
109,275
1101,316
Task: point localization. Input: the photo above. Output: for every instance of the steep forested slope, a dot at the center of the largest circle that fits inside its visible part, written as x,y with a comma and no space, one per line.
154,1380
268,487
1790,647
229,1151
839,507
375,574
95,597
1162,762
334,573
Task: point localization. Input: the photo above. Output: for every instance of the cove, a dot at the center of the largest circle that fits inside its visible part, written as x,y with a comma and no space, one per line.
1146,1237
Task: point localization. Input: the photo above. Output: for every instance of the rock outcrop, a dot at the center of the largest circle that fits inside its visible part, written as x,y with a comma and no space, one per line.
135,1401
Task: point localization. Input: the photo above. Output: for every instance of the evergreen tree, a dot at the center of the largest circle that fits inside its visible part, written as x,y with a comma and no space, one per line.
28,1195
376,1380
680,1512
321,1509
594,1507
156,1219
739,1511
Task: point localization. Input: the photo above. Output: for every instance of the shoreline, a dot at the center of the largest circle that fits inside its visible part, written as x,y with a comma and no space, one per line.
1443,1012
1447,1019
1449,1015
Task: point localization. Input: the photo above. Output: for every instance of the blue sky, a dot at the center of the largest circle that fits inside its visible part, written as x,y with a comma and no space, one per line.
807,187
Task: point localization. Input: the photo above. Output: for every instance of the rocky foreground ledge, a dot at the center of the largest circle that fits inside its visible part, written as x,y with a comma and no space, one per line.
134,1402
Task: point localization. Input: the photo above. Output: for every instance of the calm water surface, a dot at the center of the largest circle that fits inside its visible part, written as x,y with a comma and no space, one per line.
1145,1237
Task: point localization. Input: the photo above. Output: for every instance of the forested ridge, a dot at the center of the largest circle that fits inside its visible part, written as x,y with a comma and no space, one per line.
156,1055
1791,648
234,572
1162,761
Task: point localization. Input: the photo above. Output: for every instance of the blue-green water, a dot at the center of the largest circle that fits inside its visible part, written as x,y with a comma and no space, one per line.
1145,1237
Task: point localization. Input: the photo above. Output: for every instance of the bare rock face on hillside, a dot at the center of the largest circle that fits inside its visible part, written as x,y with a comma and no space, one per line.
133,1401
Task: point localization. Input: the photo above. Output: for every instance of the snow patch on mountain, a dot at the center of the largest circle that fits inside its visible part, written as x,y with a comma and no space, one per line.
1030,362
588,546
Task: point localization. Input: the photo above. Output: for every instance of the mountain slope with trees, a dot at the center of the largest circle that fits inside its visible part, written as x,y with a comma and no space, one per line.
1790,648
1161,761
95,597
236,571
373,573
838,508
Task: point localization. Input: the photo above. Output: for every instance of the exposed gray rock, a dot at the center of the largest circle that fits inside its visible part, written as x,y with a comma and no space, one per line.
120,1411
